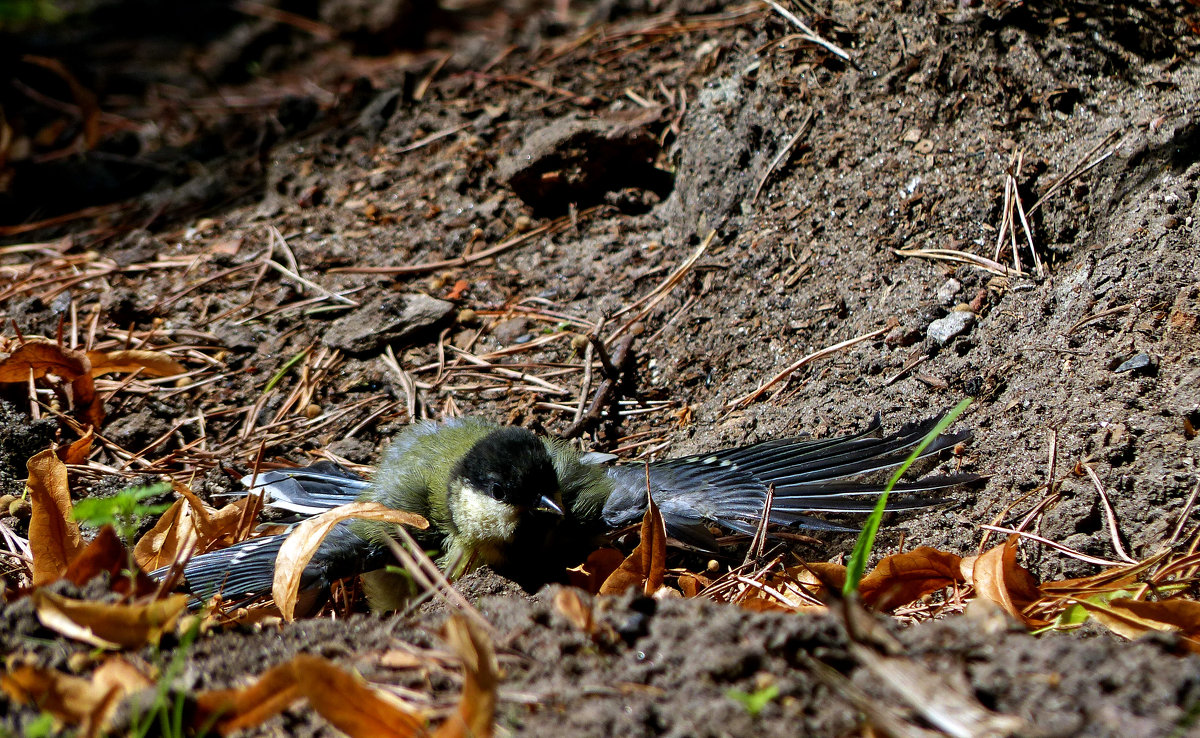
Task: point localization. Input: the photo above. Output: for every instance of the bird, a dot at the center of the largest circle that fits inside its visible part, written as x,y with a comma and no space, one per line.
505,497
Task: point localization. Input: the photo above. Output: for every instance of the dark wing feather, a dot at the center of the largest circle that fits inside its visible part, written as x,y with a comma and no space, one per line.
730,487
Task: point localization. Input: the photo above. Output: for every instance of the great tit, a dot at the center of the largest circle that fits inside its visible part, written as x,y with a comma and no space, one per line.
518,502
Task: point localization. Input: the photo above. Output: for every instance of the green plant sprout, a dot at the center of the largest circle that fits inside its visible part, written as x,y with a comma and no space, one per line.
857,564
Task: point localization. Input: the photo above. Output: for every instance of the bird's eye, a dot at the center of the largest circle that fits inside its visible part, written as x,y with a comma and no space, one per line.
497,491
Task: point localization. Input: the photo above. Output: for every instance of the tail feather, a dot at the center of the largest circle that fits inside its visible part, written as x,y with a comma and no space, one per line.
245,569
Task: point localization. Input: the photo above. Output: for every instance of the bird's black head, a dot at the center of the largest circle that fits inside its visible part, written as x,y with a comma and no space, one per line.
511,465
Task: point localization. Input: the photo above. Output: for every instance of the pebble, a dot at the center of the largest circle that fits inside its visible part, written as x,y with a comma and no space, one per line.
1139,364
946,293
945,329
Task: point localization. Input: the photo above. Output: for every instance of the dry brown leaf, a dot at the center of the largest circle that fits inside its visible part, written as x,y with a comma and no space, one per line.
759,603
818,577
1132,618
152,363
172,535
116,671
1181,614
108,625
79,450
577,612
54,538
344,699
353,706
220,528
87,403
89,703
903,578
477,706
106,553
693,584
229,710
300,546
998,577
41,356
591,574
201,512
646,566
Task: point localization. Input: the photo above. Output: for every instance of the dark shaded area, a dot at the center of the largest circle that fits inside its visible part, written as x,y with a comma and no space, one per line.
132,96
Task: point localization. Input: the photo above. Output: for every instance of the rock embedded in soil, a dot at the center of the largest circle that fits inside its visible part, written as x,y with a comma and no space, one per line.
1142,364
386,319
946,293
943,330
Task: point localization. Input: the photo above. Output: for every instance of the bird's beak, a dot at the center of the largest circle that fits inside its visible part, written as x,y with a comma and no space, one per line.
549,505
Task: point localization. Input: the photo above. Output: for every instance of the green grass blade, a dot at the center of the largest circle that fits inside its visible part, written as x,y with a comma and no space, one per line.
866,538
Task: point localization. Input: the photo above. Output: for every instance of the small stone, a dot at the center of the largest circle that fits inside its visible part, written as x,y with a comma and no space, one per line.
1143,364
508,332
467,316
579,343
522,224
945,329
902,336
313,411
386,319
946,293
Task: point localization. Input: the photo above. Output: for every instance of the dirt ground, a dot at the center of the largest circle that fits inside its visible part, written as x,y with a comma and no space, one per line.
601,148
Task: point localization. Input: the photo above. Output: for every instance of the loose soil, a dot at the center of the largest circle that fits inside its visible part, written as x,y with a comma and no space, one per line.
636,130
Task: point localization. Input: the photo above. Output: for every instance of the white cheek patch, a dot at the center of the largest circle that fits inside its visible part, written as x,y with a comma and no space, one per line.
484,519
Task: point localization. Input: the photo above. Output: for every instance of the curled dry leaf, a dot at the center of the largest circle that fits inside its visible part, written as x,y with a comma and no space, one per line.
54,538
107,625
190,527
348,702
577,612
477,706
998,577
591,574
150,363
79,450
815,579
693,584
221,528
903,578
173,535
39,356
300,546
1134,618
88,703
647,565
106,553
